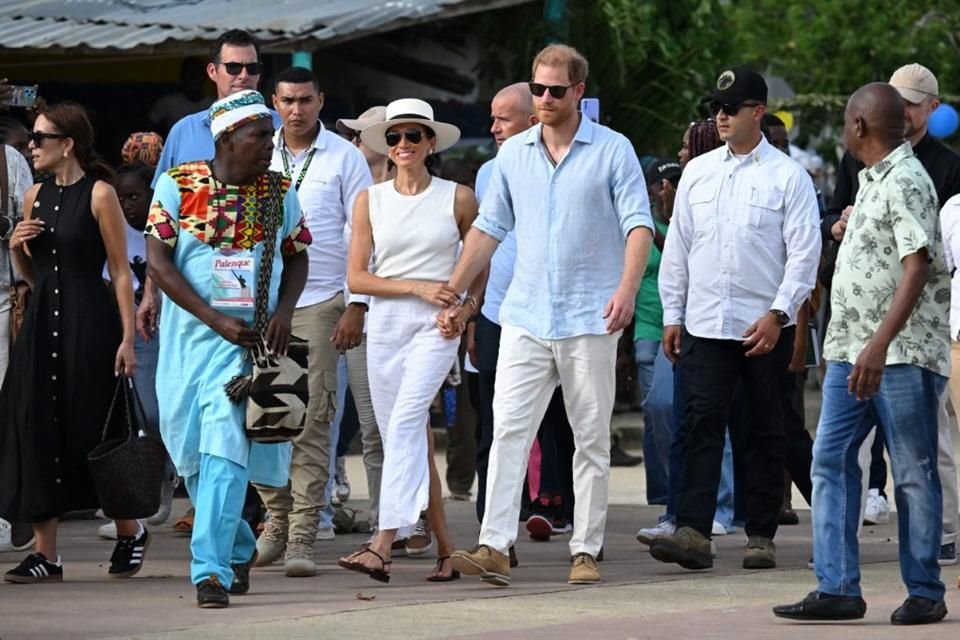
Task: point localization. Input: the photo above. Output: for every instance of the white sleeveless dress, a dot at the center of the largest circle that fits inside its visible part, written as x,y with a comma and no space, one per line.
414,238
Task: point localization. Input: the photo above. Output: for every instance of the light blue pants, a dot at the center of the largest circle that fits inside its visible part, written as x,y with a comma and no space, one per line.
220,536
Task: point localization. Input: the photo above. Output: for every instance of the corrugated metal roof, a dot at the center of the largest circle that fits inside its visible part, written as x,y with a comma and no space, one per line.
146,25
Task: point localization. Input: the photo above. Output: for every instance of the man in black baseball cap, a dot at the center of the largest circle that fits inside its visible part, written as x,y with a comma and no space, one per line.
737,86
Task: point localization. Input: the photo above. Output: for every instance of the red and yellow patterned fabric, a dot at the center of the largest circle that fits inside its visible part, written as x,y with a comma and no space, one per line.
221,215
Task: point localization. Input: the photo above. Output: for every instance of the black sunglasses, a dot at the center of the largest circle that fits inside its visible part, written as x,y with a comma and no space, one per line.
730,109
414,136
234,68
556,90
37,137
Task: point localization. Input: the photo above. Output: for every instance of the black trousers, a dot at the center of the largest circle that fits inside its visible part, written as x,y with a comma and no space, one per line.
711,371
799,444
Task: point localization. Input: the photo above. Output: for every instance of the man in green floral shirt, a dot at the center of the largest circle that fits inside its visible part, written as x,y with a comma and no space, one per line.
888,353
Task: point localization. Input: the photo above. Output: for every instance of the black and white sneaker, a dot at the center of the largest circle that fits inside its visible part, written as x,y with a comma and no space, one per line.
127,558
35,568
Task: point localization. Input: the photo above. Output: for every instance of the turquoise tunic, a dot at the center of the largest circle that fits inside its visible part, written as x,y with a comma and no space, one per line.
193,213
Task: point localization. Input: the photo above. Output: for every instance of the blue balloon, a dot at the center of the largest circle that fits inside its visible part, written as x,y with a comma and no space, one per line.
943,122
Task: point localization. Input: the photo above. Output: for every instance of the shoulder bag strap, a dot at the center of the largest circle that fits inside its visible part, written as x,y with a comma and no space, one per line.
4,203
270,224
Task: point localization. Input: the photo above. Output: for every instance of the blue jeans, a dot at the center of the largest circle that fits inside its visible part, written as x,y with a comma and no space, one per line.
656,447
326,515
145,378
905,408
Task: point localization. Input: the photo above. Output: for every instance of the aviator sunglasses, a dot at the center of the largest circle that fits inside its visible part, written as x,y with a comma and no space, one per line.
556,90
730,109
37,137
413,136
234,68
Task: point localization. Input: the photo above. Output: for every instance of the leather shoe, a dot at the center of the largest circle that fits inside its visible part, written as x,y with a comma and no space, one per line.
821,606
915,610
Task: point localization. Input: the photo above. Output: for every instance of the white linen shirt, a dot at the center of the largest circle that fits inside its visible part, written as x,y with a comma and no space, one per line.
334,178
950,228
744,239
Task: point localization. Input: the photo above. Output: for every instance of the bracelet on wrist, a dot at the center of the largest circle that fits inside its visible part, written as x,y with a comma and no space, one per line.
472,301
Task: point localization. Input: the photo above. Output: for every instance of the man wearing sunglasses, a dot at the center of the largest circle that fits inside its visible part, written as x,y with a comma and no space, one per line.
740,259
573,193
234,66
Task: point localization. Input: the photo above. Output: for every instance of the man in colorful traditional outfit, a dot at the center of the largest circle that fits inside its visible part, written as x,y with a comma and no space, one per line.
203,211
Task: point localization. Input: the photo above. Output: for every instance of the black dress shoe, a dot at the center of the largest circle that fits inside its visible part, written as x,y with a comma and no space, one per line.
821,606
211,594
915,610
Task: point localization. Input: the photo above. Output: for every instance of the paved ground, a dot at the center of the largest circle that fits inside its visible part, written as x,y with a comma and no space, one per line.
639,598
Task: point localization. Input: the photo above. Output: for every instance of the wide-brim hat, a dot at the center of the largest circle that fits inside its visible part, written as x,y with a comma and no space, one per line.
373,115
413,111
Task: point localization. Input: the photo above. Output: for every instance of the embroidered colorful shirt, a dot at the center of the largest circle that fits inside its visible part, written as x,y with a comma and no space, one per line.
223,216
894,216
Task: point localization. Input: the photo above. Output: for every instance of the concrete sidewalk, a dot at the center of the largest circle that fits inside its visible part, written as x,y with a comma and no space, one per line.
639,598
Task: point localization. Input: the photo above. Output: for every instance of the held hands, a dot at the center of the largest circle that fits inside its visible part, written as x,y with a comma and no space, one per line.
438,293
619,310
453,321
25,231
864,380
349,330
762,336
125,362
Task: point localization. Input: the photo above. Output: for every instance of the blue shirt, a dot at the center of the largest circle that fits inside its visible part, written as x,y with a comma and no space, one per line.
570,221
190,140
501,265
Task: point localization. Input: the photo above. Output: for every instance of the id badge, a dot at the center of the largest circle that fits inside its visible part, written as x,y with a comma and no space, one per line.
233,280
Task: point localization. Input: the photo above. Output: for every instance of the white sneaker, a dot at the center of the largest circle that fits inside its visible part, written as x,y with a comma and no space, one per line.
108,531
663,528
718,529
342,488
166,502
6,536
877,511
326,534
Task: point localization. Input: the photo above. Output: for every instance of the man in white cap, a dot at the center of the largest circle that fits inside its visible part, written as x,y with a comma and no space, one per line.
203,211
920,91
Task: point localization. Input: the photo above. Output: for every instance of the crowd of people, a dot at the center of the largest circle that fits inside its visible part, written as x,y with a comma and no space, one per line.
404,276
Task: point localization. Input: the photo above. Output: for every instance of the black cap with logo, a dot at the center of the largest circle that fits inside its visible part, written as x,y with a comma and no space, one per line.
737,85
663,169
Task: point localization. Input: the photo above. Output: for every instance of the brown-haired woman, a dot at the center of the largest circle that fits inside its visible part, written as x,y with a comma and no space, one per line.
73,343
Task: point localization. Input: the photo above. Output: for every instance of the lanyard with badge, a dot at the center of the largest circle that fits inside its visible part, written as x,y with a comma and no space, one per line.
232,270
286,164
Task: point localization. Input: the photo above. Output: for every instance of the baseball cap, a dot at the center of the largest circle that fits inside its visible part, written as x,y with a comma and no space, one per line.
739,84
373,115
662,169
915,83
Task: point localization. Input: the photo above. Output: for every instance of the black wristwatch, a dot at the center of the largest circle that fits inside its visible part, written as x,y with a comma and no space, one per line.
781,316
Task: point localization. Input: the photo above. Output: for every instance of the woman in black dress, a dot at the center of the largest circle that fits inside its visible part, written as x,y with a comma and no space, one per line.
74,341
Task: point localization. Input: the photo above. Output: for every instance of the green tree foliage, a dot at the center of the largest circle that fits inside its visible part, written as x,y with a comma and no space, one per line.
650,62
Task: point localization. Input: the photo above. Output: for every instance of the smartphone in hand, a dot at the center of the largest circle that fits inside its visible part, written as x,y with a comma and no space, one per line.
21,95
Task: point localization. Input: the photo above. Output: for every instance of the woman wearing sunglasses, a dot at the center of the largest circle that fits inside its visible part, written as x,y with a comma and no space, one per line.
73,343
413,226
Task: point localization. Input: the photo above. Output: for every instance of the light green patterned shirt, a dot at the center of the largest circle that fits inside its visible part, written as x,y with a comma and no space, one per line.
895,215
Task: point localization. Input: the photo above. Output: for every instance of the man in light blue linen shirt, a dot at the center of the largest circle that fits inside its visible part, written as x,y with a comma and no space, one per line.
574,195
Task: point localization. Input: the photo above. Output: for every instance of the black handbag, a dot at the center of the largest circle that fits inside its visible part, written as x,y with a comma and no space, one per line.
127,470
276,392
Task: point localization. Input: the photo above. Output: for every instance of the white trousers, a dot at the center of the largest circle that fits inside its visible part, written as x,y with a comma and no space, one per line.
407,361
528,371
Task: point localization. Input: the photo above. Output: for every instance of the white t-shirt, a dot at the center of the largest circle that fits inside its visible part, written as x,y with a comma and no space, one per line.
137,257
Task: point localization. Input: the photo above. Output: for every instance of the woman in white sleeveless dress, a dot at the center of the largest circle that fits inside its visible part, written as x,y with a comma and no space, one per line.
412,226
